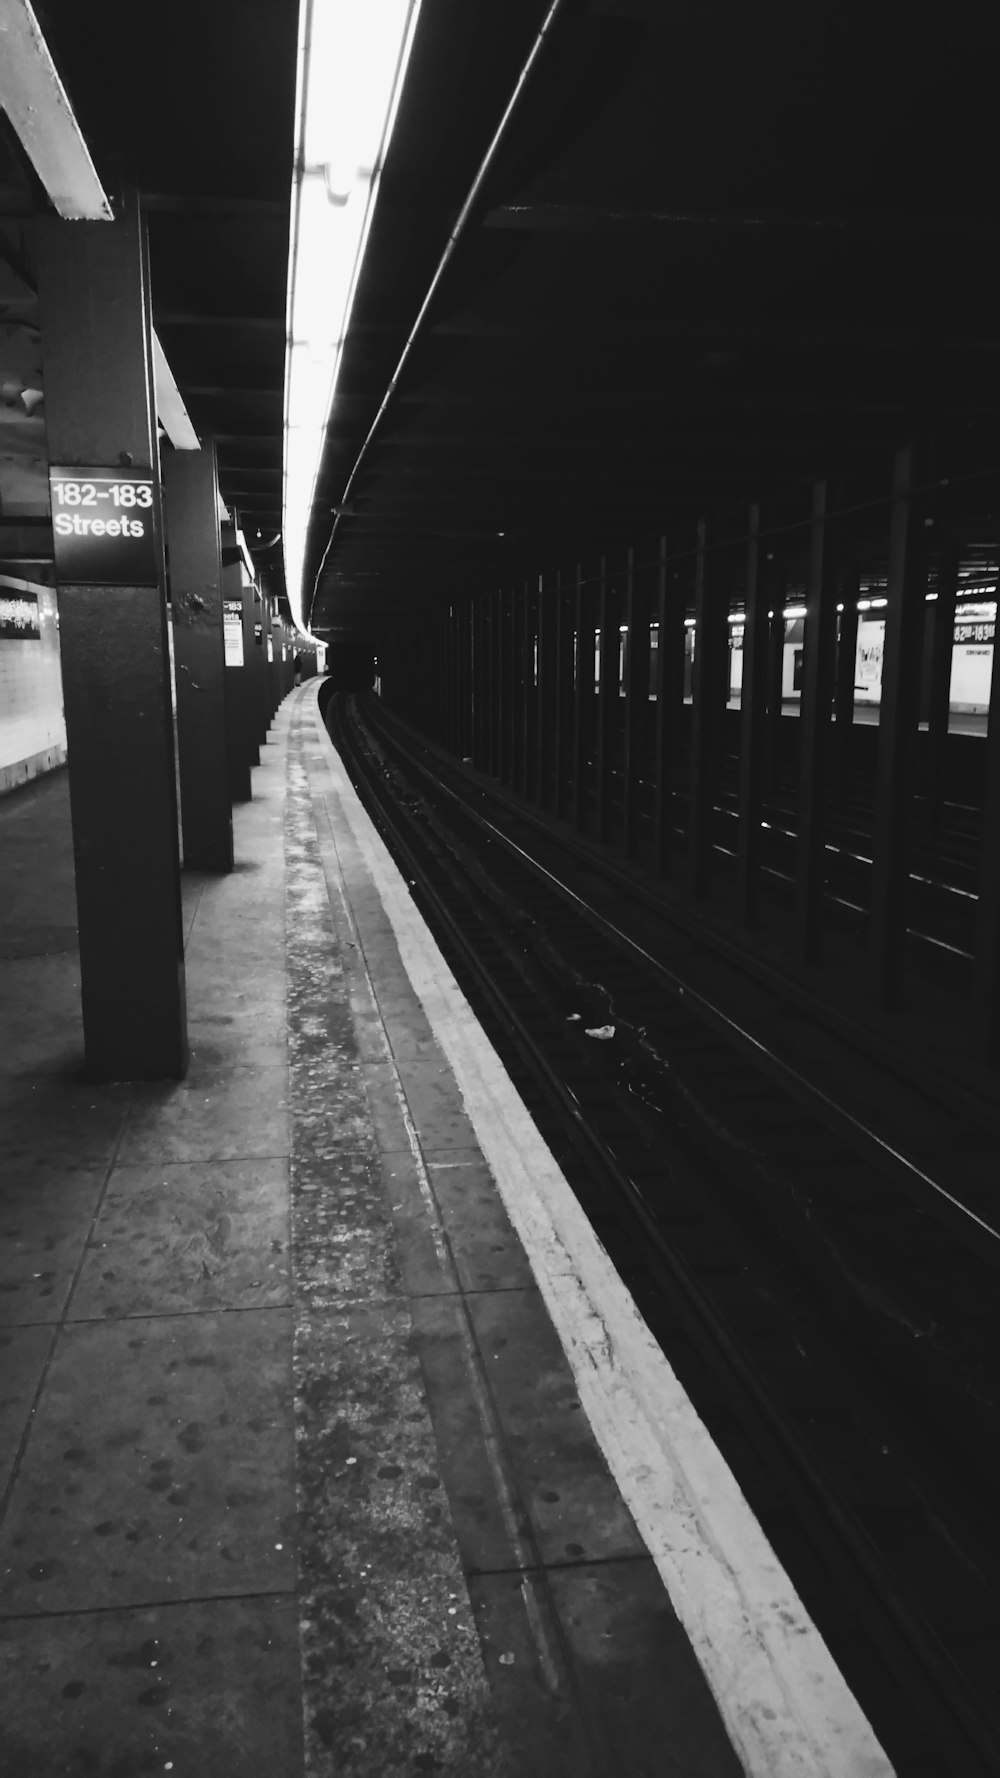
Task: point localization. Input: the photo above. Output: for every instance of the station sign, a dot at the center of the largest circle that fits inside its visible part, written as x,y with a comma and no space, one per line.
232,631
102,527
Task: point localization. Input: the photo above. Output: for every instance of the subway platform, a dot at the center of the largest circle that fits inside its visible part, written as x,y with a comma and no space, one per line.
329,1443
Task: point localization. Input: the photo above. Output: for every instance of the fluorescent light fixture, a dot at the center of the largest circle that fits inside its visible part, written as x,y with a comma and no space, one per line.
864,604
170,409
352,58
878,602
794,611
737,617
35,100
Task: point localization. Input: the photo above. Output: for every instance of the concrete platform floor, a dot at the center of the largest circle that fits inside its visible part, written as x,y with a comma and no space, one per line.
295,1474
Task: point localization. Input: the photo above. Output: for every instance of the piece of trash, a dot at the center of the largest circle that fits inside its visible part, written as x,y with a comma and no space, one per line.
350,1460
573,1017
601,1031
506,1660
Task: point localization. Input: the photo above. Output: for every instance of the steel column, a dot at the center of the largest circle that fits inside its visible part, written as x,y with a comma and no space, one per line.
191,517
942,645
607,701
897,730
710,657
94,301
636,698
583,694
543,702
753,729
563,696
526,653
986,946
237,746
819,647
777,587
669,708
847,649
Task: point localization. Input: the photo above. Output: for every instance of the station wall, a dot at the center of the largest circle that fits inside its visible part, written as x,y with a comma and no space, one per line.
32,725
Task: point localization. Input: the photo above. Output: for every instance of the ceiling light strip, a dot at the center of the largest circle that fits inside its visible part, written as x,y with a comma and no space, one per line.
352,60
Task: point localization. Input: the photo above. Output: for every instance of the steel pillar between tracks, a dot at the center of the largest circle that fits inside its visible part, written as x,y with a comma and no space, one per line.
509,683
775,672
607,700
710,657
753,729
847,648
526,639
583,697
986,945
477,608
94,303
191,518
897,729
467,678
543,691
942,647
636,698
563,695
669,706
819,647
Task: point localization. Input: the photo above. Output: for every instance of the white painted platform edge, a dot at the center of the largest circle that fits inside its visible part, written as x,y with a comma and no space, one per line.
784,1702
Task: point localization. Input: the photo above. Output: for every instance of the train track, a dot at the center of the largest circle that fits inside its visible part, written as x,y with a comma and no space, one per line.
829,1301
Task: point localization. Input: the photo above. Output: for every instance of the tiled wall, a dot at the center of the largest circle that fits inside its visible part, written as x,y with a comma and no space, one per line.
32,728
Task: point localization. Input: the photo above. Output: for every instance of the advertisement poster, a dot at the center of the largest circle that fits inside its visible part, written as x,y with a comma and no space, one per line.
19,620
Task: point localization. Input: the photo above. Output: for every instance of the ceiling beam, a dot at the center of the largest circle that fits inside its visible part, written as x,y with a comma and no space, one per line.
594,218
205,204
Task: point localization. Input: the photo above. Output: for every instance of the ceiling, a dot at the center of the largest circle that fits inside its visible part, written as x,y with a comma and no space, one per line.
713,253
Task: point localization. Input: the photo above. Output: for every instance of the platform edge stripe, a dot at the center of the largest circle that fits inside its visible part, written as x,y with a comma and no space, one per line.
783,1700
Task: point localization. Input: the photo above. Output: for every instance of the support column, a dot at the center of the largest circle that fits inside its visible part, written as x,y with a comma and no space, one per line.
777,587
563,696
262,698
710,660
237,742
543,699
847,649
897,730
527,690
753,730
191,512
986,945
583,697
943,642
95,324
819,644
669,708
636,699
607,701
